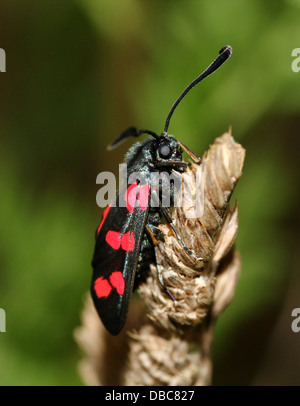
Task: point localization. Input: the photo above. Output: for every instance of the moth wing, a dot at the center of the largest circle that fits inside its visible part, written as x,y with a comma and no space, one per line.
116,254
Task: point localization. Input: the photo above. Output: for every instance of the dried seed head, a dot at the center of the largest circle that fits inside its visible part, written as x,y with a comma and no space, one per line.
210,236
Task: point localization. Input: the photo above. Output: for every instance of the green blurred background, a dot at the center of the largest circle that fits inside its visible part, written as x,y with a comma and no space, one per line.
81,71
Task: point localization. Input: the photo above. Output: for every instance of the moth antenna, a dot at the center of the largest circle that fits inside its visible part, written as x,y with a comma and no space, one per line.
130,132
224,54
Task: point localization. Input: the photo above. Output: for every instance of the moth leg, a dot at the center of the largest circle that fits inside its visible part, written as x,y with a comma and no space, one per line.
165,213
170,222
161,281
151,234
152,237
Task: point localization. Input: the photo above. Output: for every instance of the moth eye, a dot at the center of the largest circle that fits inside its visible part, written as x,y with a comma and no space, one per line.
165,151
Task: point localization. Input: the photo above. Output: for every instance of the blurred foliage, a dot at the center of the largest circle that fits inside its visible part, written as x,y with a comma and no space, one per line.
81,71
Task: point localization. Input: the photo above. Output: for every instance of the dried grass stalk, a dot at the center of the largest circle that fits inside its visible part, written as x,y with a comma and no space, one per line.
173,343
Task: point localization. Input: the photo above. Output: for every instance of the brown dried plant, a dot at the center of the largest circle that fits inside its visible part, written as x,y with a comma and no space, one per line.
167,341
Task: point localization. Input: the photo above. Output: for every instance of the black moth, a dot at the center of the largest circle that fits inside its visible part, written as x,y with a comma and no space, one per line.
126,236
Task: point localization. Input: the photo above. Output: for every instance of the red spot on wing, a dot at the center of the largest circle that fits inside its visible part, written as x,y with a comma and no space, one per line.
102,287
113,238
142,197
117,281
130,197
105,213
128,241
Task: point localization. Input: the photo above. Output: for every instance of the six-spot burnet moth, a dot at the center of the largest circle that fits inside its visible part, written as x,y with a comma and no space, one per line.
126,236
